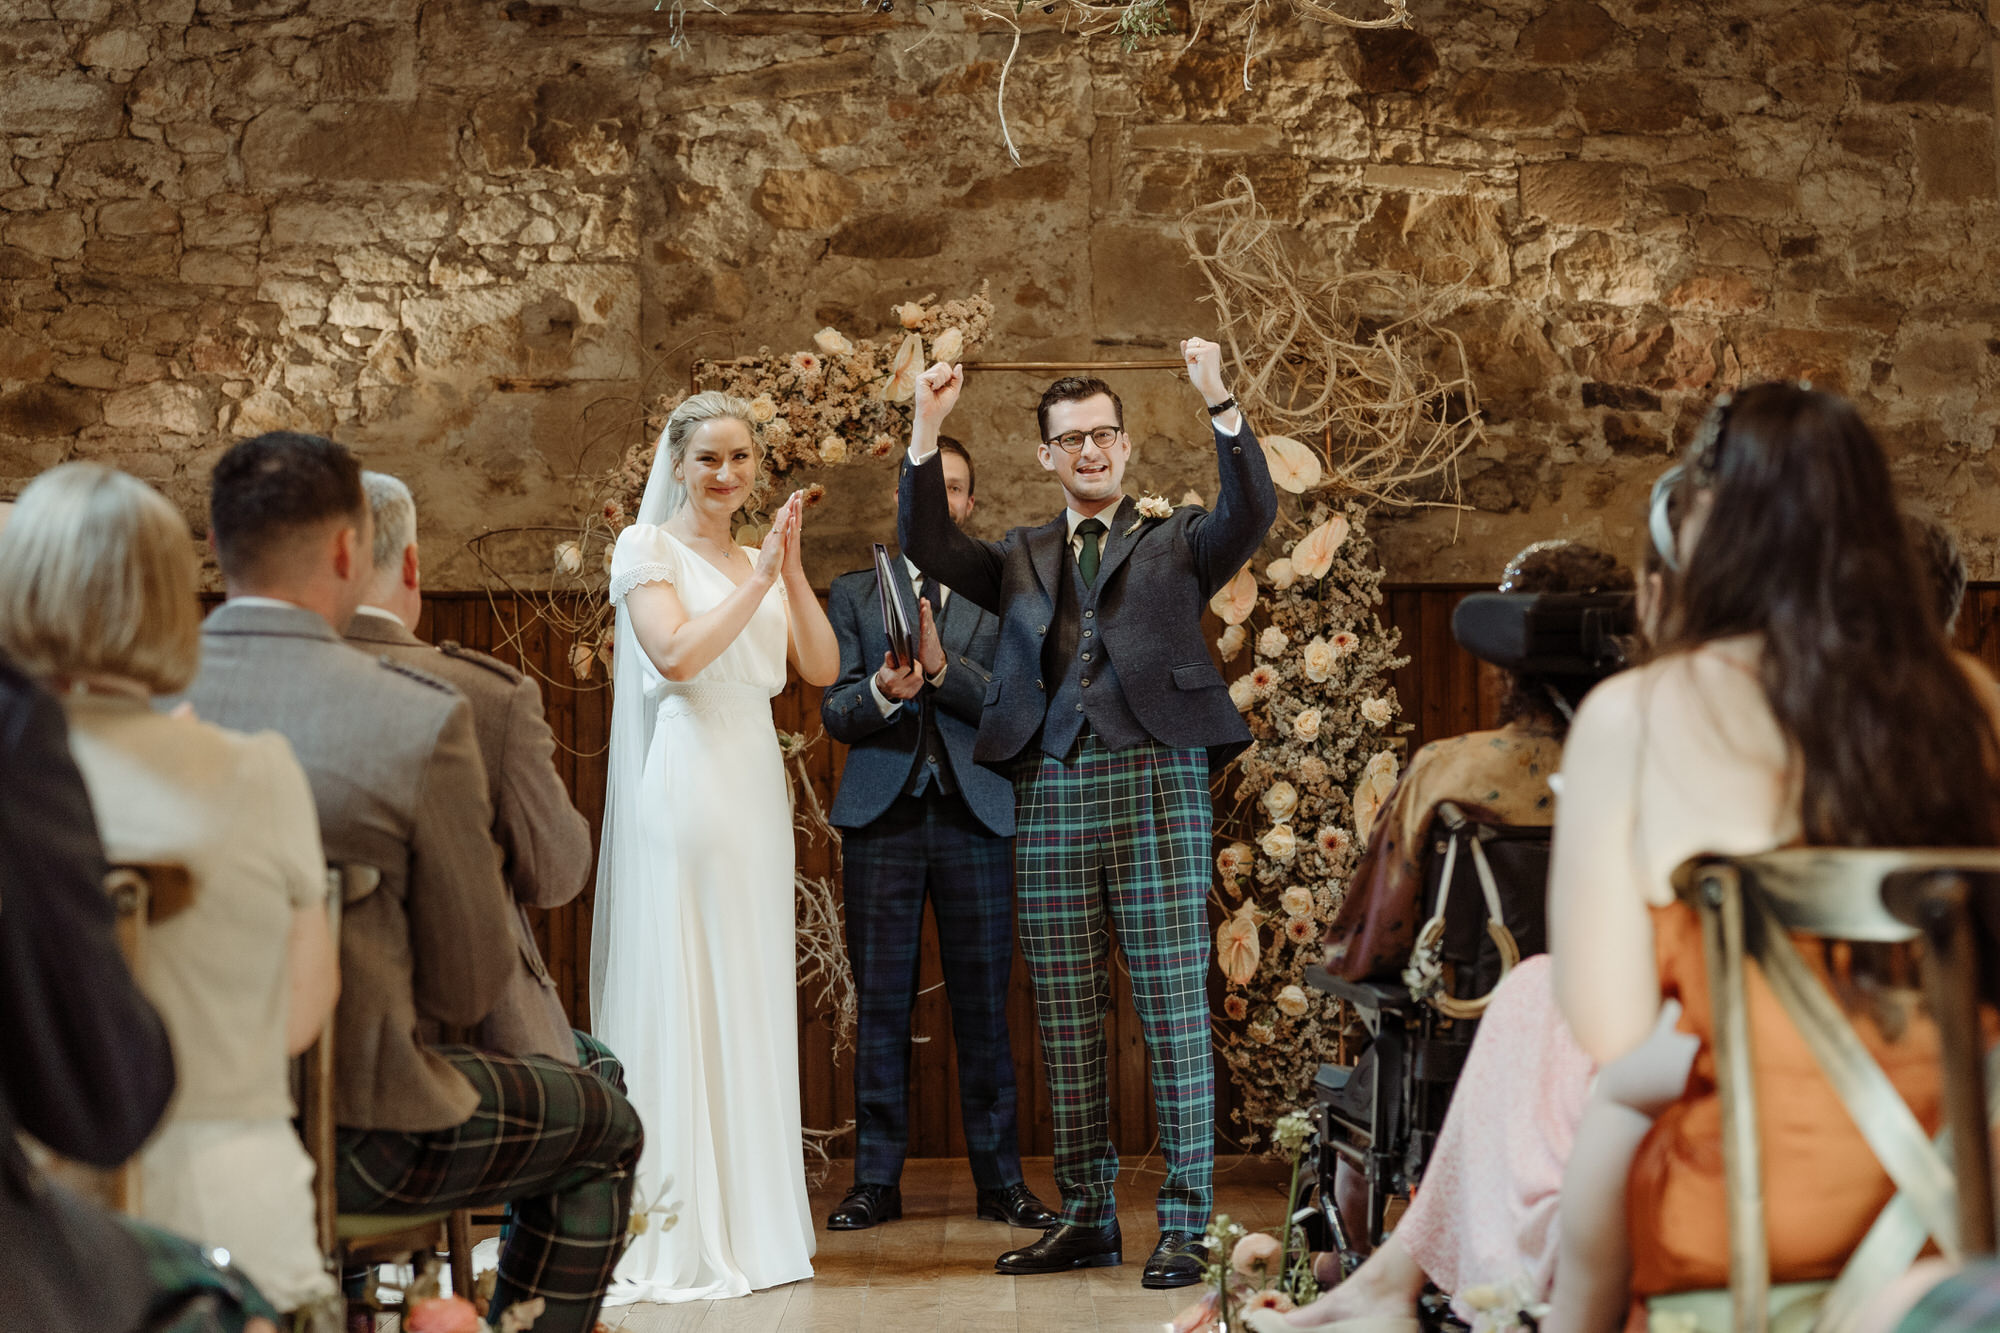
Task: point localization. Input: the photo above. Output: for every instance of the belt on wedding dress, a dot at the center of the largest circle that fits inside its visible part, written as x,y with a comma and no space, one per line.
705,698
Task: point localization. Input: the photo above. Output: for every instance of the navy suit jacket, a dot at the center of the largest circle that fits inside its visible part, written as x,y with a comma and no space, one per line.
1156,576
880,750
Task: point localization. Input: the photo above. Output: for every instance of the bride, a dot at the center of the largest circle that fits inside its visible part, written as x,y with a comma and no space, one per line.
693,967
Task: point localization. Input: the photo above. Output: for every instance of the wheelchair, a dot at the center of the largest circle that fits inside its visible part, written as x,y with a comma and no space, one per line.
1382,1114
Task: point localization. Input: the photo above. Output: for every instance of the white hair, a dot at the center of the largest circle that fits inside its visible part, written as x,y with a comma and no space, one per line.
395,517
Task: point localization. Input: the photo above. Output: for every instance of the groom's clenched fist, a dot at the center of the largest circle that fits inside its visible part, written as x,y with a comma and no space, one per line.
1204,368
937,391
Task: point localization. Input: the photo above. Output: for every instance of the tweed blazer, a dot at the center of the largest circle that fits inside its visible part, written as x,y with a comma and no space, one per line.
1156,577
84,1061
881,749
545,843
399,785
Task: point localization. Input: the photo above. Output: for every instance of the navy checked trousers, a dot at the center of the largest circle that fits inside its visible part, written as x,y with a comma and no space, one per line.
555,1144
1119,839
931,846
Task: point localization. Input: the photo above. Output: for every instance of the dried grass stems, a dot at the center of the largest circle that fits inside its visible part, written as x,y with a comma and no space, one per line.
1133,21
1355,365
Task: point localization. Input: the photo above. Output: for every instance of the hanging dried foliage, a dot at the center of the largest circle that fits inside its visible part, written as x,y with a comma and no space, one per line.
1354,364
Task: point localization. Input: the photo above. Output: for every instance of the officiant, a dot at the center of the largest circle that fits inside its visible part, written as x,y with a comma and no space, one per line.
919,820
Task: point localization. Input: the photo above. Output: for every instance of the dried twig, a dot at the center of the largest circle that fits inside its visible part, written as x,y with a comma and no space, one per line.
1353,364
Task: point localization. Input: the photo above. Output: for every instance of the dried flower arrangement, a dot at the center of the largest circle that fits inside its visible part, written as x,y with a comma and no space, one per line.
1253,1277
1322,717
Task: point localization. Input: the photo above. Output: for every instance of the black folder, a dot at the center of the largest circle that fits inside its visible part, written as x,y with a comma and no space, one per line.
899,606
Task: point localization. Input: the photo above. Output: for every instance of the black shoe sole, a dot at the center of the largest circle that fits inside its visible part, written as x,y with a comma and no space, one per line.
1169,1281
1111,1260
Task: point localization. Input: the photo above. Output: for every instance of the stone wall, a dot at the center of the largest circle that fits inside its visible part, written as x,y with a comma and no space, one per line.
473,239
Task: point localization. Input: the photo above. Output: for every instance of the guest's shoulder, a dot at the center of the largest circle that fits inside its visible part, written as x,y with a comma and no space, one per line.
473,658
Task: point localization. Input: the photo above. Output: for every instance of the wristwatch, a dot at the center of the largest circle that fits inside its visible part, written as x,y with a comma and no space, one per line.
1223,406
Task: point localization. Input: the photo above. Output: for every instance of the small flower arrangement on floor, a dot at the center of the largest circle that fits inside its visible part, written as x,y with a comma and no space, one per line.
1254,1277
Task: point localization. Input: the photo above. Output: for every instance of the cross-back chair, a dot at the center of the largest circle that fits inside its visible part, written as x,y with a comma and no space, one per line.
1749,907
353,1239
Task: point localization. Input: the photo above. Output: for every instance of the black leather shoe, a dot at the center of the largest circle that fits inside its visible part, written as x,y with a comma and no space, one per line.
1177,1261
1017,1206
1063,1247
866,1206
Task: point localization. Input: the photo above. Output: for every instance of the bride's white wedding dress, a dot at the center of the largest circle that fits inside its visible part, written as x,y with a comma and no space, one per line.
693,957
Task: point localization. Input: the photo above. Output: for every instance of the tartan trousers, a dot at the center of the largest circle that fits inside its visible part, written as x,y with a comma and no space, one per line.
1120,840
931,845
556,1145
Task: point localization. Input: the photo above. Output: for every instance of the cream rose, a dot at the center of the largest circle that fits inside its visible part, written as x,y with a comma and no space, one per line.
948,346
1291,1002
1280,799
762,409
1280,574
1231,642
1306,725
1376,710
1272,642
1297,900
832,341
1280,843
569,558
1237,948
833,449
1319,658
1242,693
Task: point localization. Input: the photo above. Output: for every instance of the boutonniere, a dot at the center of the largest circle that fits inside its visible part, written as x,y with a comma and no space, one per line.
1151,506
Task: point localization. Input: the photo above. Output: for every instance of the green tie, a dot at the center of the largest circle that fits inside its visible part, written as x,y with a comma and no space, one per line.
1087,554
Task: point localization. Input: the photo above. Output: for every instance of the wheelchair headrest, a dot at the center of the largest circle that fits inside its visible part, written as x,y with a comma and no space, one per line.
1575,635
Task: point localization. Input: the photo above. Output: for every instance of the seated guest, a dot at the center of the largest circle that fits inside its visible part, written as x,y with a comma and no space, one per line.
545,842
1941,563
97,599
1803,692
1500,776
85,1066
399,786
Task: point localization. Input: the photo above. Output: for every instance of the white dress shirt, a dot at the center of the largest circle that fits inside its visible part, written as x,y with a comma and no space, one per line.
883,702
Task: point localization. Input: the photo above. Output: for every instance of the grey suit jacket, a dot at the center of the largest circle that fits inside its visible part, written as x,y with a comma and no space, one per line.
398,782
545,843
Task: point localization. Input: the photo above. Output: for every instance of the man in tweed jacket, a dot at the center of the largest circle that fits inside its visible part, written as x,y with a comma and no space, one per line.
1108,712
398,784
544,842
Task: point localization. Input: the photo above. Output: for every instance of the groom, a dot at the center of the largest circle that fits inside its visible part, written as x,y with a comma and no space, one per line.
1109,713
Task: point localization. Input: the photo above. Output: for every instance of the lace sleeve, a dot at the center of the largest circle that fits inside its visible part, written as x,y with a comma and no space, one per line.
644,554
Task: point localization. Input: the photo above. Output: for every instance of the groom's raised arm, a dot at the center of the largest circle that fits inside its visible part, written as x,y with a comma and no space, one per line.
924,528
1223,540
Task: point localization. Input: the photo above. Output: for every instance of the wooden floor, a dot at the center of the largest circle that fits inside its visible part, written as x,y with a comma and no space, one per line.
933,1270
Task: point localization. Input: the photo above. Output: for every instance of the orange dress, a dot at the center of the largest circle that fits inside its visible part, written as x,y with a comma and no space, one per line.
1822,1184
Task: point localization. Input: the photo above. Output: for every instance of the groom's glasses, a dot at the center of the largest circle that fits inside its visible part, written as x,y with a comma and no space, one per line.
1072,443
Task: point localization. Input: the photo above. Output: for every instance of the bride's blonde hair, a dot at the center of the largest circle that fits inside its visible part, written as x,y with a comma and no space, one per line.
709,405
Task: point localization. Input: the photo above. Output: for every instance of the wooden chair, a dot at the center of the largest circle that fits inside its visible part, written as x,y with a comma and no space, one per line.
365,1238
142,895
1748,907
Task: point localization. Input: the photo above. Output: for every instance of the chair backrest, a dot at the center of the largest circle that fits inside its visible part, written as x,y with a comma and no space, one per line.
1748,907
346,882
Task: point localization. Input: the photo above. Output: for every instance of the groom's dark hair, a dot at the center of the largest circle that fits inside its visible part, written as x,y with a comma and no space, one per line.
270,487
1074,389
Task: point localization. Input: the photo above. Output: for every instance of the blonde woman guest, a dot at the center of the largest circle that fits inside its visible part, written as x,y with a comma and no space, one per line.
97,598
693,966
